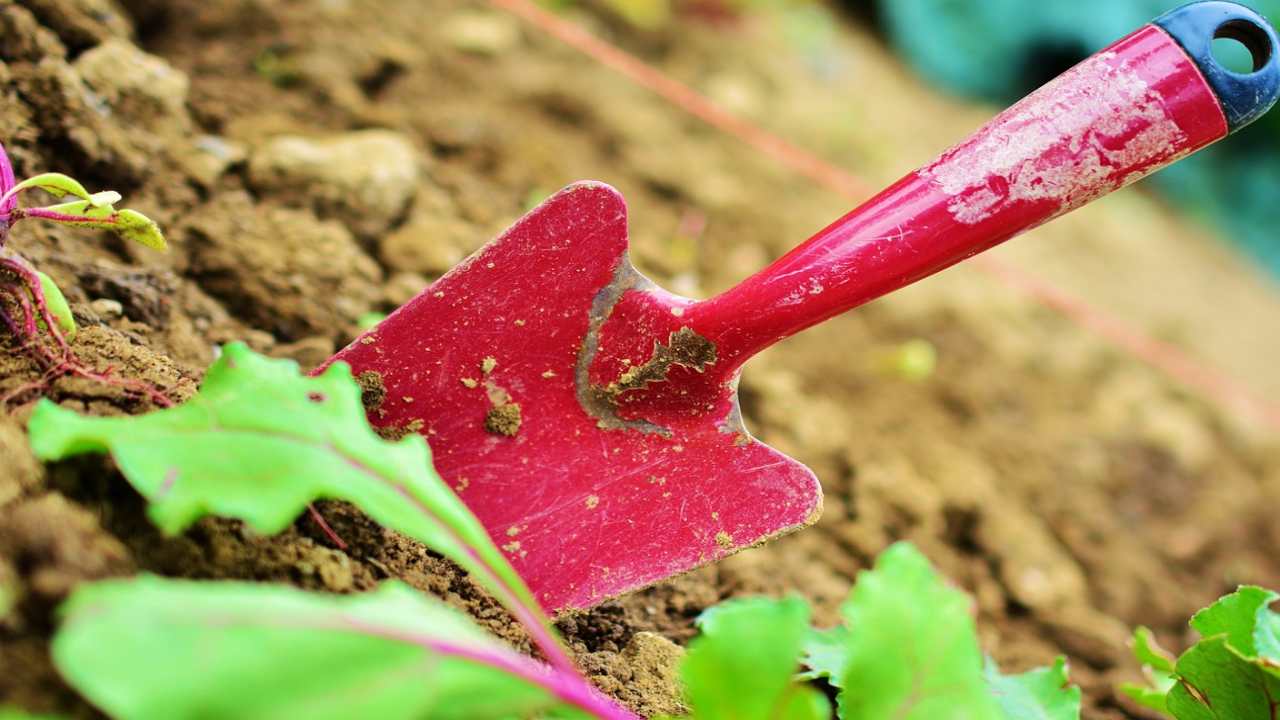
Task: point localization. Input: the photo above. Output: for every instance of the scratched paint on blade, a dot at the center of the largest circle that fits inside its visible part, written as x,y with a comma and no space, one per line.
1055,145
569,502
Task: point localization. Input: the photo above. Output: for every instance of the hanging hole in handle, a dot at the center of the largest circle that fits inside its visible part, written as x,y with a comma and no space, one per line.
1241,47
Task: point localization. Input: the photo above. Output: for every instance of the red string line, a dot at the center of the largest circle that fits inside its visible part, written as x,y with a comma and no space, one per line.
1163,356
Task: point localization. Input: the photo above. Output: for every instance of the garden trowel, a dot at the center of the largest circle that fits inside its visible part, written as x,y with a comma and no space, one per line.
590,419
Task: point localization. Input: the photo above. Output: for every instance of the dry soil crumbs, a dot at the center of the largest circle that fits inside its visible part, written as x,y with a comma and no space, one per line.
503,420
684,347
372,390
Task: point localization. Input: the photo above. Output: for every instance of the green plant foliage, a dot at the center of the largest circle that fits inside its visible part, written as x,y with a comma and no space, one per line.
909,651
644,14
1233,672
1157,666
825,656
1040,694
914,360
1218,682
913,652
743,664
128,224
1266,634
91,210
58,307
260,441
151,647
59,186
1148,651
368,320
1237,616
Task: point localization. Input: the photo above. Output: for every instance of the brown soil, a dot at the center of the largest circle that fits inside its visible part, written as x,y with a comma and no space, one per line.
1072,490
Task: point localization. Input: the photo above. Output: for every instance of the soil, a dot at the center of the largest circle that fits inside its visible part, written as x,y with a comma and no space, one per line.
313,162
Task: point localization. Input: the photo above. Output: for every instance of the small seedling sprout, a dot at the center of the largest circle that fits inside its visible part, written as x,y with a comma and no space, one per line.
32,307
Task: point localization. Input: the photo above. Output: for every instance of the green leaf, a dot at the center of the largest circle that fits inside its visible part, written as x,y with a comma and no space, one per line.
825,655
1236,616
913,652
1041,694
1216,682
150,647
742,665
1266,636
1150,697
260,441
1157,666
1234,671
58,307
133,225
1148,652
368,320
913,649
60,186
56,184
128,224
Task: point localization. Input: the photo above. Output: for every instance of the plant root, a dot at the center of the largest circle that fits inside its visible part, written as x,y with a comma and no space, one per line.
33,328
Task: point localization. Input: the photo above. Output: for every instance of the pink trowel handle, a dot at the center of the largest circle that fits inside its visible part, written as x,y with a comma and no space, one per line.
1125,112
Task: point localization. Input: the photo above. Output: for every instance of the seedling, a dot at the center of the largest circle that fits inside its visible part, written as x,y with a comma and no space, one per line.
32,308
1231,673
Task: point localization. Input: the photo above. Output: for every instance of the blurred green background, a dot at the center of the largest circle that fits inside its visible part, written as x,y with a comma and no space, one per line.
1000,50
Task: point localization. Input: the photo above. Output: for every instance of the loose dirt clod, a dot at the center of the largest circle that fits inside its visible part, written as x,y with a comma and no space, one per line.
503,420
374,392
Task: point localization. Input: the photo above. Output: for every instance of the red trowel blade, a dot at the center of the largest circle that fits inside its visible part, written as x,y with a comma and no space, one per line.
490,363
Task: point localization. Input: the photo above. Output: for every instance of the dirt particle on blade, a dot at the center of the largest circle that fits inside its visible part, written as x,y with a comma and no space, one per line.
503,419
399,432
684,347
372,390
592,501
724,540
